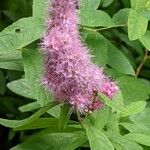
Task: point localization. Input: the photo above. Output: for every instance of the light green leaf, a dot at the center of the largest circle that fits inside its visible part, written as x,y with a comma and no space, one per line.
99,118
39,8
15,56
20,34
39,124
55,111
54,141
29,107
137,25
124,143
33,74
114,104
121,17
139,5
12,65
133,108
97,139
145,40
19,123
139,138
21,87
133,89
142,118
136,128
112,125
95,18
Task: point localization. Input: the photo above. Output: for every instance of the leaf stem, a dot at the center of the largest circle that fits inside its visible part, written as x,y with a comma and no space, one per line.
80,119
104,28
142,63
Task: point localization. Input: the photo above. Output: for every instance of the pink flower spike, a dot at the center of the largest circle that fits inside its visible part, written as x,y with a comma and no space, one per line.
69,73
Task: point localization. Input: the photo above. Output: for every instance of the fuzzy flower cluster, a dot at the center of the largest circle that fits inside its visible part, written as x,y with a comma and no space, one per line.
69,73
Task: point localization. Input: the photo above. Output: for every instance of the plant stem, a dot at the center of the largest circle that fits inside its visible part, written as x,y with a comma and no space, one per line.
104,28
142,63
80,119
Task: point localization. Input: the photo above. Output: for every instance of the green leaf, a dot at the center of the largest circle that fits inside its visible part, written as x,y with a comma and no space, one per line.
15,56
33,74
29,107
99,118
136,45
137,25
98,47
139,5
116,58
95,18
97,139
89,4
21,87
145,40
54,141
136,128
142,118
64,117
133,89
20,34
114,104
121,16
19,123
12,65
39,8
112,125
2,83
124,143
106,3
39,124
139,138
133,108
55,111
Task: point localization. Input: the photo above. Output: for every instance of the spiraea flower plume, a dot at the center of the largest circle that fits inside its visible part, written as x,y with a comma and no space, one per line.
69,73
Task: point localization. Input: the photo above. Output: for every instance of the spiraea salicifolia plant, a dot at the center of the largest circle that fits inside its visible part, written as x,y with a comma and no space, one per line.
69,72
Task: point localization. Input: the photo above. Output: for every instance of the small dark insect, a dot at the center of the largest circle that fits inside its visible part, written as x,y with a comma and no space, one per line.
17,30
94,96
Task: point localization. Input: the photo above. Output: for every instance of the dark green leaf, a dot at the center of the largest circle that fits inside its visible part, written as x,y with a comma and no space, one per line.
2,83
